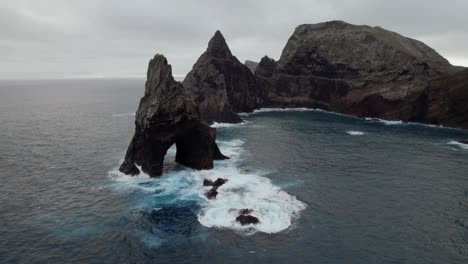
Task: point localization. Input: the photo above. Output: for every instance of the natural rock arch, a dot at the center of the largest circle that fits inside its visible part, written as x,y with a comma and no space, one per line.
167,116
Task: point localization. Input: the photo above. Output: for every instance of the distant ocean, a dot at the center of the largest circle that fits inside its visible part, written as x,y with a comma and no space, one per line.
327,188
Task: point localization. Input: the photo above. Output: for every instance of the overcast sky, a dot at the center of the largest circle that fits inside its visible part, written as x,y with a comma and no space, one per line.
116,38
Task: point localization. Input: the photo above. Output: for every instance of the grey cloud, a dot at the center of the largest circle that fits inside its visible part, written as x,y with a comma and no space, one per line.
116,38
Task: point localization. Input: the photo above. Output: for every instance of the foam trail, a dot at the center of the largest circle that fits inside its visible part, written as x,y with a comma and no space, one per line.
458,144
223,125
355,133
303,109
275,208
266,110
386,122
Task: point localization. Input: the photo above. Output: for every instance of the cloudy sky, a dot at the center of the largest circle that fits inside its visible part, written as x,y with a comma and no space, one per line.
116,38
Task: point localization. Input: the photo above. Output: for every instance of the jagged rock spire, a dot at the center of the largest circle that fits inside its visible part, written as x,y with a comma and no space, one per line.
220,84
217,47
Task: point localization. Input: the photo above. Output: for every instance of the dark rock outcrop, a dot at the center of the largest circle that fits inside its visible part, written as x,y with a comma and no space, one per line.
463,141
216,183
166,116
364,71
446,100
213,192
252,65
247,219
220,85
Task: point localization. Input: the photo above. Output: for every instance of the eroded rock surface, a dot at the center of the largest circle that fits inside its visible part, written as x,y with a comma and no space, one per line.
247,219
220,85
213,192
167,115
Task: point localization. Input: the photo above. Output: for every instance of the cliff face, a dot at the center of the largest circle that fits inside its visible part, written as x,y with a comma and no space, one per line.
447,100
358,70
220,85
166,116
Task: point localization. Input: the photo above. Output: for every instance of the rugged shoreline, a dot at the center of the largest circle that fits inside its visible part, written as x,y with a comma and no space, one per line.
362,71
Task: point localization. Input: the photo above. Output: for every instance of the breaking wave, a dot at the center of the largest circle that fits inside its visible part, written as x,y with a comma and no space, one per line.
275,208
355,133
386,122
266,110
458,144
222,125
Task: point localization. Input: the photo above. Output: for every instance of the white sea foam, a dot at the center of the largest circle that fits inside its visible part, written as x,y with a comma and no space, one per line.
272,206
355,133
386,122
458,144
265,110
399,122
302,109
223,125
275,208
123,114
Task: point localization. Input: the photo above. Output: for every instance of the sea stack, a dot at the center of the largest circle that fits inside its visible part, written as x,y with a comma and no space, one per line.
167,115
364,71
220,84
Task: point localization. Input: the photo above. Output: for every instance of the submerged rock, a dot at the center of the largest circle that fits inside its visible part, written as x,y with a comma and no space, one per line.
213,192
367,72
220,85
207,182
219,182
167,115
247,219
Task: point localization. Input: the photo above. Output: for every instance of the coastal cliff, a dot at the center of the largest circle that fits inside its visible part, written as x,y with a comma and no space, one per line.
363,71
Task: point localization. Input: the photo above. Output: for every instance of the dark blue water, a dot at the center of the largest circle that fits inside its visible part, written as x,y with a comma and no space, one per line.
327,188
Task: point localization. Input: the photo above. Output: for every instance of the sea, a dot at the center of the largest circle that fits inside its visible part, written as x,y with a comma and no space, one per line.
327,188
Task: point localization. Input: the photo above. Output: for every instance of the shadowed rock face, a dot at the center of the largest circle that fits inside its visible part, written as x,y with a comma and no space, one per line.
363,71
220,85
213,192
252,65
247,219
166,116
447,100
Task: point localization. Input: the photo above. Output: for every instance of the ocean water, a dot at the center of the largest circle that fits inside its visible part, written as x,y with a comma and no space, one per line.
327,188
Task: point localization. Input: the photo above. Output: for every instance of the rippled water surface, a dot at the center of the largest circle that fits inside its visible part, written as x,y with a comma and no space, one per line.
327,188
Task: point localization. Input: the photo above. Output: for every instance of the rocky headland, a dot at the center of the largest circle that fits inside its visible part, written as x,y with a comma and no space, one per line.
367,72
